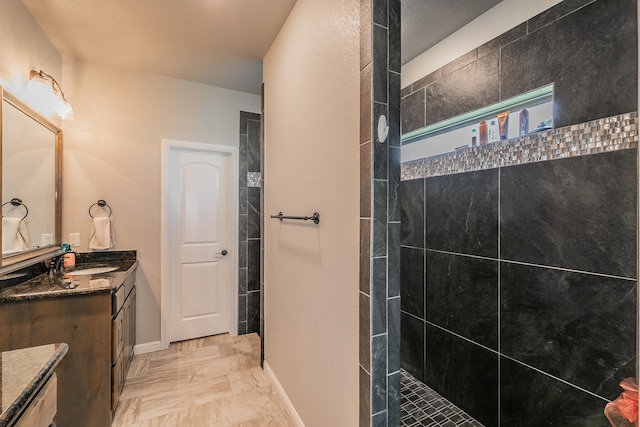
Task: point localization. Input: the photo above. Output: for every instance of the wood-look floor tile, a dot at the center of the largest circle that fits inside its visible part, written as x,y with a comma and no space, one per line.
212,381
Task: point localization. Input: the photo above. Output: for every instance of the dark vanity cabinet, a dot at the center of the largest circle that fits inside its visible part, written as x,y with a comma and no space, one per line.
123,336
96,318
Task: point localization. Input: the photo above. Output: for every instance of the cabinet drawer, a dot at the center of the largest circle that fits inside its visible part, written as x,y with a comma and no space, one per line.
42,409
117,299
117,335
117,382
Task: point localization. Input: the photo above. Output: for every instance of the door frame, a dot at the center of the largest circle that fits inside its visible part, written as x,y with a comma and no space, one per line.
168,146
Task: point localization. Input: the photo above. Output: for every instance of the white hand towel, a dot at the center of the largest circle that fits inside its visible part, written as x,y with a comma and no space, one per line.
102,234
15,236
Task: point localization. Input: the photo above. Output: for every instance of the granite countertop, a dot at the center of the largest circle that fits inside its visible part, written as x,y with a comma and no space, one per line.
59,285
22,374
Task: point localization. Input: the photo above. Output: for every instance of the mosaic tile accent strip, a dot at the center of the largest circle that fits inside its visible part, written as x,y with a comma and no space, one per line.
421,406
253,179
598,136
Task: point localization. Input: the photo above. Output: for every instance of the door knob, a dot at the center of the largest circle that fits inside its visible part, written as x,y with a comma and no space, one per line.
223,253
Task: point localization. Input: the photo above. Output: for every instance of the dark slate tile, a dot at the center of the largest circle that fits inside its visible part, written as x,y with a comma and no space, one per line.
365,180
412,281
379,419
242,308
462,213
365,255
253,217
365,104
412,195
242,173
364,386
578,213
463,373
381,12
253,312
413,111
242,328
394,118
243,125
379,218
242,254
379,62
405,91
242,227
532,399
378,373
242,149
393,403
460,62
575,326
466,89
242,280
393,260
502,40
395,60
594,47
380,152
393,333
427,80
243,198
253,146
462,296
554,13
394,213
253,265
412,345
365,331
379,296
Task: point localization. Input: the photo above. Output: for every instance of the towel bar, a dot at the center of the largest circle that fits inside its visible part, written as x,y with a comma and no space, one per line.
315,217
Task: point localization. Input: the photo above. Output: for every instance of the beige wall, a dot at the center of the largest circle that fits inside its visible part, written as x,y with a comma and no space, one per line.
23,46
497,20
113,152
311,76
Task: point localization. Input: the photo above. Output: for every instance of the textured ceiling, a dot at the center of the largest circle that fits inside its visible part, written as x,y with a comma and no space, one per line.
216,42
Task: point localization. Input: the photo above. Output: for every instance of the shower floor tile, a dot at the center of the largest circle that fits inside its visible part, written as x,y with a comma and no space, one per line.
421,406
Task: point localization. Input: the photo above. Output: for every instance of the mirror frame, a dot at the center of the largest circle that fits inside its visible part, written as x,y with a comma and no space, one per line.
39,253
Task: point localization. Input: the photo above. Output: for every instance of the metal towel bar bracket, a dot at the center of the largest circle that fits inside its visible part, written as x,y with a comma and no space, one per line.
315,217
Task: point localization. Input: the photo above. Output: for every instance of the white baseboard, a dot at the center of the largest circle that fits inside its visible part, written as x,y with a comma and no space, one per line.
285,399
148,347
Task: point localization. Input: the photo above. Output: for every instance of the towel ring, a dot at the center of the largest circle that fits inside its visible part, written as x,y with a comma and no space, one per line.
17,202
101,203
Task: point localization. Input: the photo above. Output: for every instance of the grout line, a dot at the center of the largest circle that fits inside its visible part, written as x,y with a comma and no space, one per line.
528,264
515,360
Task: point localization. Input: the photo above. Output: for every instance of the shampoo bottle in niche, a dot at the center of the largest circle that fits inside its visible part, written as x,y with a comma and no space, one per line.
482,130
494,135
523,123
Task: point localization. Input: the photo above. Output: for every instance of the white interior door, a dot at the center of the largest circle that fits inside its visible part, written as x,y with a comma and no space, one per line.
201,233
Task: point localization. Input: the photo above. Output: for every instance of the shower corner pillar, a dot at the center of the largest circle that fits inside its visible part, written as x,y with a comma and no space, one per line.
379,273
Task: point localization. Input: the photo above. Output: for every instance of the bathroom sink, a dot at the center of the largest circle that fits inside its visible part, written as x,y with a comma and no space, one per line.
93,270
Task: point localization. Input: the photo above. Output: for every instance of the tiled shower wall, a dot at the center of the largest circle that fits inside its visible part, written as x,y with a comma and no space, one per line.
379,214
587,48
249,224
519,288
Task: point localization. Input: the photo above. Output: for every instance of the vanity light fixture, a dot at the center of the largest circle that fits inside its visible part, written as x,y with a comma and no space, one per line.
46,96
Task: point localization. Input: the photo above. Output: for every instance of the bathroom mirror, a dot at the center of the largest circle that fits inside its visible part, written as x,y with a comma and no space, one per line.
31,174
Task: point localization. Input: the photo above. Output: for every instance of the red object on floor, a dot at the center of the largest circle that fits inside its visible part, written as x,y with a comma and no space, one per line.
623,412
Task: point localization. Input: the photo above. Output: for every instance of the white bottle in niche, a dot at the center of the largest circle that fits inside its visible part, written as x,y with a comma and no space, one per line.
493,134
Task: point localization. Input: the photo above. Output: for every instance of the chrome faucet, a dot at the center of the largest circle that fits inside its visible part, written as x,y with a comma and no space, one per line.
57,264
